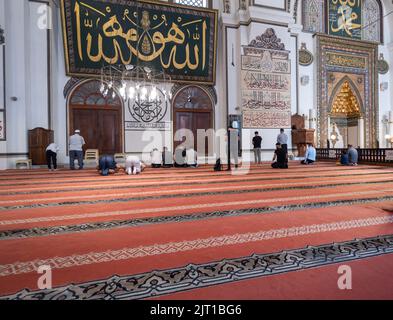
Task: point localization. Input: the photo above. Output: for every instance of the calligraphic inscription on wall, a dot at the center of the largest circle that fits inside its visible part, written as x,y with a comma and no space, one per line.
344,60
148,114
180,41
266,86
345,18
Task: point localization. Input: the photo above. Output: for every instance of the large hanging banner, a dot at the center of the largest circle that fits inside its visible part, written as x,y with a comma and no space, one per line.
345,18
266,84
179,40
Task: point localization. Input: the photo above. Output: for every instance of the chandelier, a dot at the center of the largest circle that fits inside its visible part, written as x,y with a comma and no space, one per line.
142,84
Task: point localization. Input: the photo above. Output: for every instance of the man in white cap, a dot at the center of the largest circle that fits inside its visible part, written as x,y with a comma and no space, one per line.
76,143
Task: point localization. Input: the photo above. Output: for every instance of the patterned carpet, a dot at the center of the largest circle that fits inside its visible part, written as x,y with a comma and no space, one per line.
198,234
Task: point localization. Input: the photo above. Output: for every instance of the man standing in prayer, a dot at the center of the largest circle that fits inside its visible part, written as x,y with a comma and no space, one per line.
106,165
280,159
311,155
353,155
282,139
76,142
51,156
257,143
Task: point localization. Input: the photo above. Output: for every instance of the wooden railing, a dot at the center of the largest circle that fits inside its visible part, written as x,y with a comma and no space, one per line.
365,155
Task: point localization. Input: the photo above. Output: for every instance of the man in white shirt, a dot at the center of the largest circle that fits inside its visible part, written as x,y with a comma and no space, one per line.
76,142
134,165
51,156
311,155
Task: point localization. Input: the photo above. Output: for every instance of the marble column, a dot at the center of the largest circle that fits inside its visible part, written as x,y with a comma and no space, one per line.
361,132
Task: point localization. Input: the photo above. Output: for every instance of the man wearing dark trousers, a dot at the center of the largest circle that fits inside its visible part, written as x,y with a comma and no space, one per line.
282,139
51,156
257,143
76,142
280,159
106,165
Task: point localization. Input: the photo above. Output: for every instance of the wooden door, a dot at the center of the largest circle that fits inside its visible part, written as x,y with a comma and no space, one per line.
201,121
193,110
101,129
183,121
98,118
110,138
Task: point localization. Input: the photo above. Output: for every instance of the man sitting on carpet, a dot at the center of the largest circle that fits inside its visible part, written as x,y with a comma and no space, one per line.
167,158
180,157
311,155
344,160
156,158
191,158
353,155
134,165
107,165
281,156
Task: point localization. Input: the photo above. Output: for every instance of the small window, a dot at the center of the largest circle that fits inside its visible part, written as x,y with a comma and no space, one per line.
193,3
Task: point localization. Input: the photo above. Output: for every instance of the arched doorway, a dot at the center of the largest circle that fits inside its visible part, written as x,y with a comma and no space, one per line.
193,110
99,118
345,117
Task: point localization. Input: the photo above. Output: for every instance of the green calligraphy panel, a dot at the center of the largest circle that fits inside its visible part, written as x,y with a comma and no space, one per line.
345,18
179,40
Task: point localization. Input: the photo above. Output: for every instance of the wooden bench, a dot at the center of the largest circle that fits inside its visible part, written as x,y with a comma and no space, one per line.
25,162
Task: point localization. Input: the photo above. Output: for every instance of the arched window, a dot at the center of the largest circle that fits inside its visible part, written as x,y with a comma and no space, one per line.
195,3
192,3
372,20
89,94
313,13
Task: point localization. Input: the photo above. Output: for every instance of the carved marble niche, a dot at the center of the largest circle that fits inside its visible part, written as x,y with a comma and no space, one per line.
341,60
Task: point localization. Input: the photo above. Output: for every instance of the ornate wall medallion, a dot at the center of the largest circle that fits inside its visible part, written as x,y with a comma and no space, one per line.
383,65
305,57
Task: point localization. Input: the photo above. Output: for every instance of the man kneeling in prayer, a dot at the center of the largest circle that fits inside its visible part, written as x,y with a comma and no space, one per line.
311,155
280,158
134,165
107,165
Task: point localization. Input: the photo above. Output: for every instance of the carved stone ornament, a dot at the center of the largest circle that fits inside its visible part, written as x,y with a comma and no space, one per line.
268,40
305,57
383,65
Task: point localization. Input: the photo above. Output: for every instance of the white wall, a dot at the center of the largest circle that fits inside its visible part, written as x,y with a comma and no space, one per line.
37,111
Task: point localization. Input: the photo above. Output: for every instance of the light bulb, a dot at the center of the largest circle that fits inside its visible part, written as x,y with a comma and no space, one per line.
153,94
131,92
143,93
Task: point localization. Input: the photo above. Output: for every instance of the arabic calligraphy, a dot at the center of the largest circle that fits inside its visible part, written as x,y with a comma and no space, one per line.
345,18
181,41
341,60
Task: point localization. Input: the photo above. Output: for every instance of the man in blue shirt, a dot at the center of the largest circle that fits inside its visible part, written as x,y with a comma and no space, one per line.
311,155
353,155
107,164
344,160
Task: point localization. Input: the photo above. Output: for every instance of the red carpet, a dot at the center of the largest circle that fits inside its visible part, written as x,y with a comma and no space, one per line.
198,234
